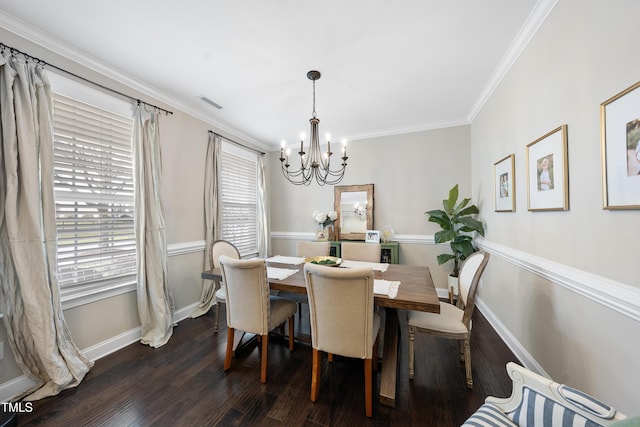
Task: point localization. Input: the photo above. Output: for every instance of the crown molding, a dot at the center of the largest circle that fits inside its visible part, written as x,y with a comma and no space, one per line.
534,21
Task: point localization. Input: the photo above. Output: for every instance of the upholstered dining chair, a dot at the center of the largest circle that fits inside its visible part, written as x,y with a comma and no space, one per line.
306,249
453,322
251,307
218,248
343,321
357,251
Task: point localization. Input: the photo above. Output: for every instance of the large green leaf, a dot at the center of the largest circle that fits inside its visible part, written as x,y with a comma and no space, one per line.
471,224
450,203
458,209
441,218
444,236
442,258
473,209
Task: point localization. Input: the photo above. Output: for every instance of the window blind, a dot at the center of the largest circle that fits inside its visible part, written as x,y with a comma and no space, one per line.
93,185
239,188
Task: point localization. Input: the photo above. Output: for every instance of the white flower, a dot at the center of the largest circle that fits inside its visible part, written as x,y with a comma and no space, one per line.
324,218
333,215
320,217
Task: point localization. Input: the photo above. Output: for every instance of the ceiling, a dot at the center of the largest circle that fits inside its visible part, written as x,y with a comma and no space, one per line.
387,67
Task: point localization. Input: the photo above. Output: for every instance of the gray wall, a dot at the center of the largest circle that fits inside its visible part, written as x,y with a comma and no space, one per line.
565,285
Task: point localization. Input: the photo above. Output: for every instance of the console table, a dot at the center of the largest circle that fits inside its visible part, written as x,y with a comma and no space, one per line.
389,251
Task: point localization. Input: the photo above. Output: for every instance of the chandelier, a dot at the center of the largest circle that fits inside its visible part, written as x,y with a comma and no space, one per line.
315,164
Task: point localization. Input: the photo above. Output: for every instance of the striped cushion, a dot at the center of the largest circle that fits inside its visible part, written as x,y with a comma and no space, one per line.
538,410
488,416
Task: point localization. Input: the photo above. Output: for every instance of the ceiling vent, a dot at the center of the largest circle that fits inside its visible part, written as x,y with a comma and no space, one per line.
210,102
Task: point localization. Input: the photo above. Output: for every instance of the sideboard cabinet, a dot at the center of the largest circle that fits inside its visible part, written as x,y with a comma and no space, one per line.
389,251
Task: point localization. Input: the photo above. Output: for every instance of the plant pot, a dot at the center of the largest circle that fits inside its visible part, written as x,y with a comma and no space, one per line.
452,283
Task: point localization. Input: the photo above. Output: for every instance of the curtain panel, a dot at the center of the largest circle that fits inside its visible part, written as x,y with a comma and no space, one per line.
211,215
155,306
36,330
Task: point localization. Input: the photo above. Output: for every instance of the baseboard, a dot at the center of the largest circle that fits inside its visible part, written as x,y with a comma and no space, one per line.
17,386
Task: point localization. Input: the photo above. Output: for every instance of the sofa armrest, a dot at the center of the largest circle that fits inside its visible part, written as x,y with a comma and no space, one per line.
535,398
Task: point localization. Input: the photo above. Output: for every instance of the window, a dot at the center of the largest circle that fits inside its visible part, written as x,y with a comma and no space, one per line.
93,185
239,188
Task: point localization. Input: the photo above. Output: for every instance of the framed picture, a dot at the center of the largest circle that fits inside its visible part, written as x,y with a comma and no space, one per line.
620,146
321,236
548,172
372,236
505,184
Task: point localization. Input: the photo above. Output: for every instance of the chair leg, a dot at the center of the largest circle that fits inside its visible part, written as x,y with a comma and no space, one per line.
291,333
375,355
216,320
368,387
461,347
229,353
315,375
263,365
412,338
467,362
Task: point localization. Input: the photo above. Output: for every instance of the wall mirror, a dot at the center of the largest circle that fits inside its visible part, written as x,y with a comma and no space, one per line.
354,205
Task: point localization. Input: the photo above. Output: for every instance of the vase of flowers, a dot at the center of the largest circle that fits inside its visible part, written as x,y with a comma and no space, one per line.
325,221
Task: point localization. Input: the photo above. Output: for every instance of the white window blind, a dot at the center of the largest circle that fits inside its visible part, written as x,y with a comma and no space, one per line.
94,195
239,185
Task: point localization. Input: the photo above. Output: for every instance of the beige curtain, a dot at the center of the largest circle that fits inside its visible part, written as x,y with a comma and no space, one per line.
263,230
211,215
36,329
155,306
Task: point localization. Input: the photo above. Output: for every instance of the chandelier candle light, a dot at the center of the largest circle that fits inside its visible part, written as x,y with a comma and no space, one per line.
316,164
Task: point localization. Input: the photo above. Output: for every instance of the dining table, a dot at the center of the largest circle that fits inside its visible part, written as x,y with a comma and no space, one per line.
416,291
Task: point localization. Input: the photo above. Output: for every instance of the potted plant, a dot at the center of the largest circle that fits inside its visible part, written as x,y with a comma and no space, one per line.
456,222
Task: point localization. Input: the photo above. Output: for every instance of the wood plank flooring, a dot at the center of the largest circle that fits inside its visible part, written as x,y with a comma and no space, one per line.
183,384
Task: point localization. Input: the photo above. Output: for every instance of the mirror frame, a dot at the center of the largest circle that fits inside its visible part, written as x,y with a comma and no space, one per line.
337,196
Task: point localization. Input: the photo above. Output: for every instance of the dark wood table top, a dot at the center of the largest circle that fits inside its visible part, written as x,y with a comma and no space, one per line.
416,291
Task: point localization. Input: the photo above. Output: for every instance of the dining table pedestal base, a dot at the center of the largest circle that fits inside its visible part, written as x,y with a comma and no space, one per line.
389,371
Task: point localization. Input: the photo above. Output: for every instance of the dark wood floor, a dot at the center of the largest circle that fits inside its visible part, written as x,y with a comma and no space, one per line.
183,384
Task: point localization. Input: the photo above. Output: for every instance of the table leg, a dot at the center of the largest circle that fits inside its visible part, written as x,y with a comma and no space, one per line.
389,372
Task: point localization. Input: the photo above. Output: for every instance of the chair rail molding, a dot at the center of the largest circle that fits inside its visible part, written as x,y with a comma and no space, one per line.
419,239
620,297
182,248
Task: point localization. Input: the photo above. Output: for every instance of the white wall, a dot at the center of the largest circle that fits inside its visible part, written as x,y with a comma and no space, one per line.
556,275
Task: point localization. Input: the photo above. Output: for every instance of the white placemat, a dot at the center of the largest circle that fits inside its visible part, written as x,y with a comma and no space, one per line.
358,264
279,273
286,260
386,287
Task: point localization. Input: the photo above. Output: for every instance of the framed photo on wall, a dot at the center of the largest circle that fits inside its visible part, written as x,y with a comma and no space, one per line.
548,172
505,184
620,147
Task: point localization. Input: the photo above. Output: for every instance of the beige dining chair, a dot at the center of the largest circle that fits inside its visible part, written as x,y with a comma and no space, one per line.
358,251
219,248
453,322
343,321
251,307
306,249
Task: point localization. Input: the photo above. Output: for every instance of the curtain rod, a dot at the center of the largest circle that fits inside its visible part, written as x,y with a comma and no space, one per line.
14,51
237,143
